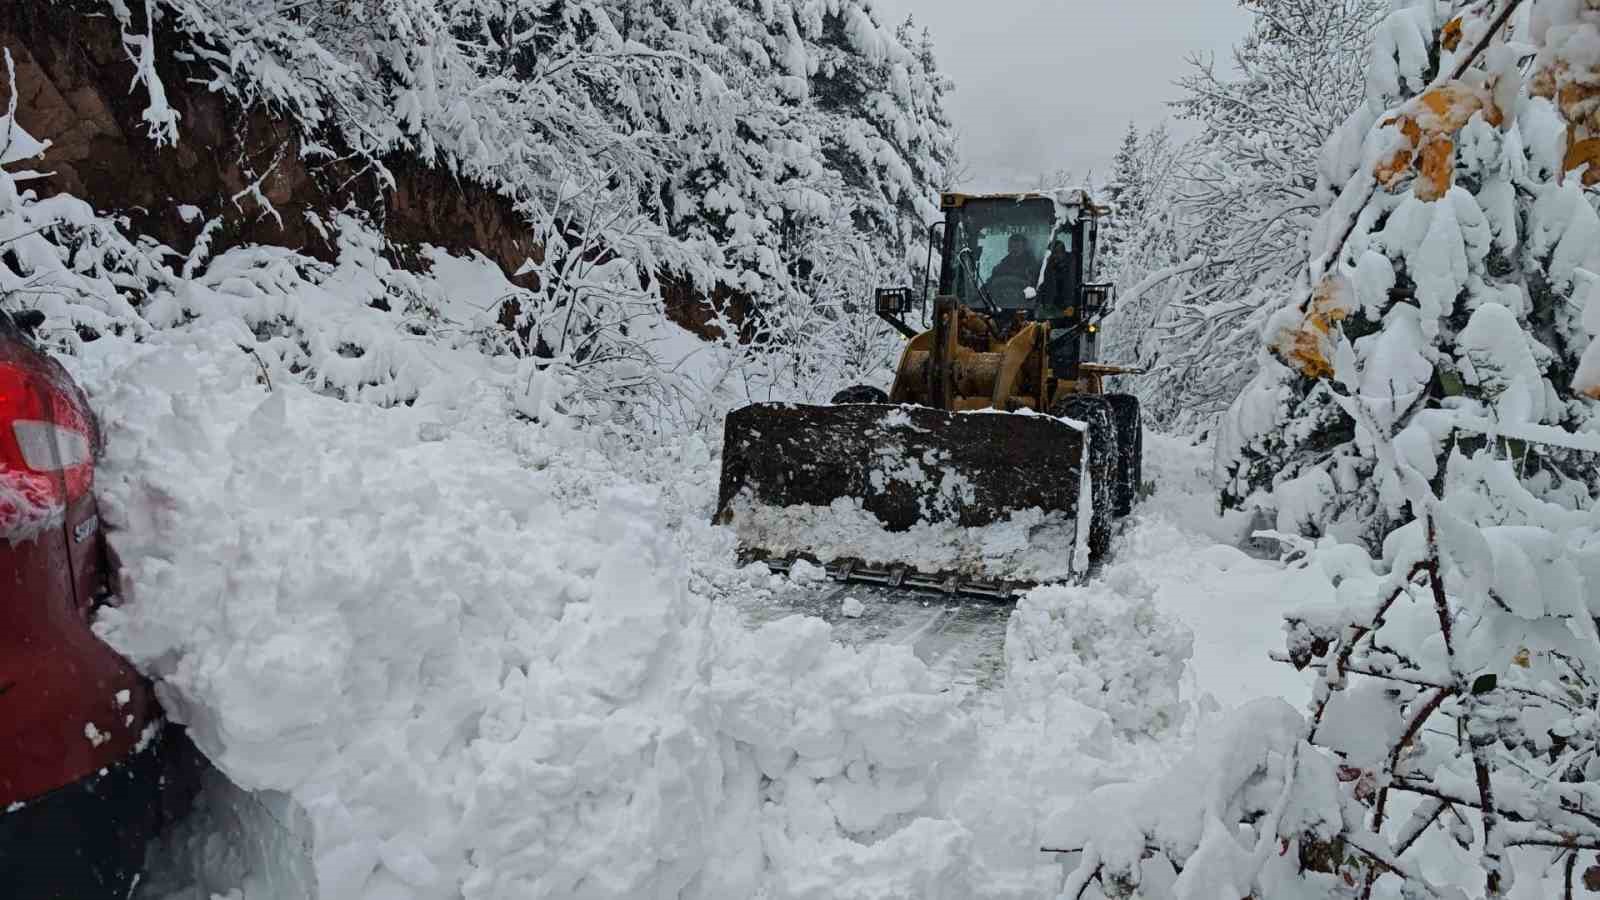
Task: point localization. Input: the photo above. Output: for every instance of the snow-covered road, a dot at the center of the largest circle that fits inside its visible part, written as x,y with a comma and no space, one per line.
1078,686
1178,545
1232,601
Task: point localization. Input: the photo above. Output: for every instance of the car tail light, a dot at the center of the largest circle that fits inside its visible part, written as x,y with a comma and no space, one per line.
46,450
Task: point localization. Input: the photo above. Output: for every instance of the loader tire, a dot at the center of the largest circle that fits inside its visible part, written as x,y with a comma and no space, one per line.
1096,411
860,393
1130,450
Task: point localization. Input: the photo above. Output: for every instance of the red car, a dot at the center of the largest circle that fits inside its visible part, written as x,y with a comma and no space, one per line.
83,747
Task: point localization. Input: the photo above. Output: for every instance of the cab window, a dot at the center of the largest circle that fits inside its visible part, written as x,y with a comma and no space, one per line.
1004,247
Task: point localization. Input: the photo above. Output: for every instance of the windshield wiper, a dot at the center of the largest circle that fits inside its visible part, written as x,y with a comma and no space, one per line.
964,258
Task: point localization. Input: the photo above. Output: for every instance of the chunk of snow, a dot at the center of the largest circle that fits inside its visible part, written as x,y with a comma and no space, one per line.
1105,645
803,571
96,736
1497,360
29,506
16,144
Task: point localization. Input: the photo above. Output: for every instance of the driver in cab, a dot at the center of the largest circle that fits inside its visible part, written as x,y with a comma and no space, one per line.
1020,268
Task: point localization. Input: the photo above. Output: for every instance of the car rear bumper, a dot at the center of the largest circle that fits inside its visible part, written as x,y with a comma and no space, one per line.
86,841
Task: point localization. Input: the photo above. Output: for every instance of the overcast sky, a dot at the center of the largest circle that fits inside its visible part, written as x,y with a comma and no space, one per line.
1051,84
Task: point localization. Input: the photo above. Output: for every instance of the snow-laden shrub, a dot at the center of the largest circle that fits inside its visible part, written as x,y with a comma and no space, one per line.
357,329
1450,741
83,271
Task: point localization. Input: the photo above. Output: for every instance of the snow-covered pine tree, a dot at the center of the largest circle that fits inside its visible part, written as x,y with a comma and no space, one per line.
933,86
1125,192
1453,264
883,128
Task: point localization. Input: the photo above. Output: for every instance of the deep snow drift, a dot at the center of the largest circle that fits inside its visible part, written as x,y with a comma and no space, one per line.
478,667
484,657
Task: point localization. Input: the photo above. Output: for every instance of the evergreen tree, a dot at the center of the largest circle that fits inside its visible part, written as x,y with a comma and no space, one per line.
1149,259
882,128
1452,263
1422,391
1126,192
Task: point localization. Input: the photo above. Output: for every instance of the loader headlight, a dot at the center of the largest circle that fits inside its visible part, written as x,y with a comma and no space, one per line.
1094,329
893,301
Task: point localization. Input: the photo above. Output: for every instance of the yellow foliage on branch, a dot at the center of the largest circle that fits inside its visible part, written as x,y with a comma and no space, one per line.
1425,129
1568,75
1307,345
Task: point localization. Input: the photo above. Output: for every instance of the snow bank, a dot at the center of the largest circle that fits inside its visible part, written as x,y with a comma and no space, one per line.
1091,697
475,664
1105,645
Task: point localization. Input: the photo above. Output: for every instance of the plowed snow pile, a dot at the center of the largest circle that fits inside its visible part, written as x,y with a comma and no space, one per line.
488,678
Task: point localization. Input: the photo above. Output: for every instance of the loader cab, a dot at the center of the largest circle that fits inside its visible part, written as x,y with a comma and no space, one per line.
1022,252
1029,255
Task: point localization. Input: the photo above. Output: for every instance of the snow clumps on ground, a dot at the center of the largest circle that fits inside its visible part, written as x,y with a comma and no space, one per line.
1105,646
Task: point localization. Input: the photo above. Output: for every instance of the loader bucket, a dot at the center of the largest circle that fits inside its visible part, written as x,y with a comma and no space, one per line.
912,492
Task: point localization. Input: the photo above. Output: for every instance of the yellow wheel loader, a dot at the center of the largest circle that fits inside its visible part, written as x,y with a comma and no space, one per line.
995,461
